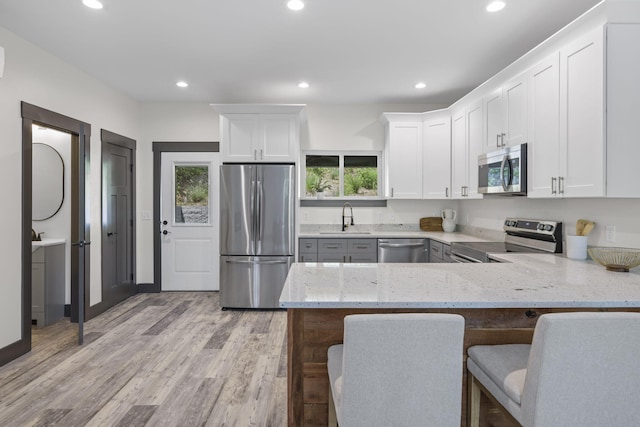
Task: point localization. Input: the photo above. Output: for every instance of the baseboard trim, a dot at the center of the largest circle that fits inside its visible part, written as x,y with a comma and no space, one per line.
148,288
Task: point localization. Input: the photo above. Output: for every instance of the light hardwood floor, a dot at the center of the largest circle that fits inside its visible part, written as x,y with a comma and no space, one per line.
169,359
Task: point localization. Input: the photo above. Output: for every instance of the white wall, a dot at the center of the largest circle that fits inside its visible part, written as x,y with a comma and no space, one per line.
621,213
169,123
59,225
35,76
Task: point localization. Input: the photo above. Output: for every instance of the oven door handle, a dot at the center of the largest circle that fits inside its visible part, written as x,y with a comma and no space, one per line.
464,259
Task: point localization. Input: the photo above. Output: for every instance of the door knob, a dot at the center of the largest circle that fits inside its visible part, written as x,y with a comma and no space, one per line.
165,232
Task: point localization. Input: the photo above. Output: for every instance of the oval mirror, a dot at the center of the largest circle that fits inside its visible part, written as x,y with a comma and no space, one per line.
48,182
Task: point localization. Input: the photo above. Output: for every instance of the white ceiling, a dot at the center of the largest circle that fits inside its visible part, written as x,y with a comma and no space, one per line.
256,51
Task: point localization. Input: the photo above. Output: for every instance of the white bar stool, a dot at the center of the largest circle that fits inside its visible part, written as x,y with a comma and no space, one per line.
582,369
397,370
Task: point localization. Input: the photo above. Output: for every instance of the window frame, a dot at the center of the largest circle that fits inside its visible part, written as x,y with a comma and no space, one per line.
341,155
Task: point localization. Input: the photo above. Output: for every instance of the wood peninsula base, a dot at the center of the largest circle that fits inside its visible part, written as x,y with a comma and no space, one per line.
312,330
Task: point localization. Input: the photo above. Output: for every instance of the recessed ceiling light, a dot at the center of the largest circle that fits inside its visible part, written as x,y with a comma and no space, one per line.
495,6
303,85
93,4
420,85
182,84
295,5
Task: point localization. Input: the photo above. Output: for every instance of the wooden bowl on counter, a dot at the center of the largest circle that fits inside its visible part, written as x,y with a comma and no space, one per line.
615,259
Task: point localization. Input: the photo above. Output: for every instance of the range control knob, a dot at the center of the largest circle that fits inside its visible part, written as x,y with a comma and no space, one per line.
548,227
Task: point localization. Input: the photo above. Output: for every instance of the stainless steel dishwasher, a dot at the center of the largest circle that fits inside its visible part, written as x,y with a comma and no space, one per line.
403,250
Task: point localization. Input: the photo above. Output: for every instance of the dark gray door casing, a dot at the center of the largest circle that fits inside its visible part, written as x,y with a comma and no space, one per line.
80,230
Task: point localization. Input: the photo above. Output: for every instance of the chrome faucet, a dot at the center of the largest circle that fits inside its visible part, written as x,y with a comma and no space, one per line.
346,225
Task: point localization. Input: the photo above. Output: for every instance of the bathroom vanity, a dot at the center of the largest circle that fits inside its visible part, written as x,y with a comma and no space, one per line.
47,281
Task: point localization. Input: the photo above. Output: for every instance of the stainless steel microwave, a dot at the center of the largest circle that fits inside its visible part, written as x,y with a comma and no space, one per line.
503,172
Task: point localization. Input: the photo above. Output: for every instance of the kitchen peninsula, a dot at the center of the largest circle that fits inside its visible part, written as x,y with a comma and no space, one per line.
500,303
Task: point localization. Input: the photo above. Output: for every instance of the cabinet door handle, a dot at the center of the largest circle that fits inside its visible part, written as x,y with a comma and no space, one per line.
502,135
553,185
332,246
498,141
255,154
561,185
261,158
349,258
446,192
391,191
361,247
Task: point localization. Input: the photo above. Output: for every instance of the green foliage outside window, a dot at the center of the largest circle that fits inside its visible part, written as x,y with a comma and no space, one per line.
192,186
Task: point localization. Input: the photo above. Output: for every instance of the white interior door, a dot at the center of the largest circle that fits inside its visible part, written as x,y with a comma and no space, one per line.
189,221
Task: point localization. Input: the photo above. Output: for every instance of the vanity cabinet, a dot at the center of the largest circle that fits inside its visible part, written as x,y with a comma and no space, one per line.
436,156
338,250
47,284
403,155
259,138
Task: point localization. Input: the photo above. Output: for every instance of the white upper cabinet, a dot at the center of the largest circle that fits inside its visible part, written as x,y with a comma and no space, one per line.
505,115
582,143
260,138
567,149
514,111
436,153
590,150
493,135
544,134
466,146
623,110
403,155
474,149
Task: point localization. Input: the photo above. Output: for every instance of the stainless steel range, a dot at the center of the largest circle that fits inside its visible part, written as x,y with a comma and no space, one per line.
521,235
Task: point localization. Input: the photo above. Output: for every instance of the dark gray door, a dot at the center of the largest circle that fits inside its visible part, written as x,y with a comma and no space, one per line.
117,224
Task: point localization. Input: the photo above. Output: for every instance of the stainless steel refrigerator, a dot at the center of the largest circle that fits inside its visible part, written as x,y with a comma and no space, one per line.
257,244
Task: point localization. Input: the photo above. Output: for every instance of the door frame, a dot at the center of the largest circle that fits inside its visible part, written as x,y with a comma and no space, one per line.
108,137
158,148
80,134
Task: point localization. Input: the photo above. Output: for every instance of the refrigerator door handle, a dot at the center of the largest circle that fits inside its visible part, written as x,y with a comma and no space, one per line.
253,212
256,262
258,210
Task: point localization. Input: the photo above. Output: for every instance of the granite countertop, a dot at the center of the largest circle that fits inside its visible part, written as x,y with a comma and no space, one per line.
46,241
440,236
521,281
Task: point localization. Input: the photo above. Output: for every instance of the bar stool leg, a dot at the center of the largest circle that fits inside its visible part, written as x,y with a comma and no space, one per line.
474,401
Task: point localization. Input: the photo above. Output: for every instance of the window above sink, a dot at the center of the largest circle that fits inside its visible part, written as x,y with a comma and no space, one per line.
340,176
